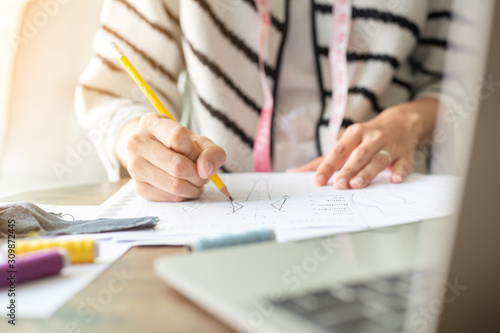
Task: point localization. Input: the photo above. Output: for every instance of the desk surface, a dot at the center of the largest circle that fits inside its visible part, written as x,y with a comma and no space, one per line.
146,304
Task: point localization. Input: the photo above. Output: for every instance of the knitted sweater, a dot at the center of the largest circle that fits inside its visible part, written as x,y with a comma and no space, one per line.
395,54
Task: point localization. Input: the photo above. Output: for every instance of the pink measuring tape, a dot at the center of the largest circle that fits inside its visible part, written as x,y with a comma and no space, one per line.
338,65
262,143
337,56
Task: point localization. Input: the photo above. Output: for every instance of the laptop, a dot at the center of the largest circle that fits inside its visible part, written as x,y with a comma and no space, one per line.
436,275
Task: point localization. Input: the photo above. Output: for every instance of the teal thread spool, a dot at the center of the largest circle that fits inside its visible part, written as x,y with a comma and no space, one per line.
248,237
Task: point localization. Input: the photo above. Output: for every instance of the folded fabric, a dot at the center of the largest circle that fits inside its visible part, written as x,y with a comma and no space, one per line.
29,217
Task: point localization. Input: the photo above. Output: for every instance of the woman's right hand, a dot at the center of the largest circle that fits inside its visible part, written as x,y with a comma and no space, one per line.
167,161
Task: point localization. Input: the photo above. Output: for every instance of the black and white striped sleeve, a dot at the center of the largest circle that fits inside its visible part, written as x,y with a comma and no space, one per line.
106,98
428,59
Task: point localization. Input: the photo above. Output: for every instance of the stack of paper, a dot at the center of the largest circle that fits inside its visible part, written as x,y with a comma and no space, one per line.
286,202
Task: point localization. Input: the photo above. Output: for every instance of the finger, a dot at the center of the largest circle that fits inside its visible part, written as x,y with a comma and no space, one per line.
175,164
377,164
170,133
211,158
151,193
141,170
311,166
339,154
401,169
359,158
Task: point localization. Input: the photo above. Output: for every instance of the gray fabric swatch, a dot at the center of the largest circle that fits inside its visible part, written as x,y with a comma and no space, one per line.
29,217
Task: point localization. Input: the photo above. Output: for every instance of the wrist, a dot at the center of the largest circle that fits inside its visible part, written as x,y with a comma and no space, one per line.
422,117
122,139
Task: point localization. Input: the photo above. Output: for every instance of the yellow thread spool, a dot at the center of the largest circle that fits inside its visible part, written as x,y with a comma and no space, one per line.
80,251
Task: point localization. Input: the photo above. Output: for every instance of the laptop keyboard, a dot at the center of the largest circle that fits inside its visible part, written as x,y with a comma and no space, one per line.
373,306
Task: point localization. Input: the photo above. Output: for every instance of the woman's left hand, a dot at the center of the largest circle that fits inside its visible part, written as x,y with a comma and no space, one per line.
388,140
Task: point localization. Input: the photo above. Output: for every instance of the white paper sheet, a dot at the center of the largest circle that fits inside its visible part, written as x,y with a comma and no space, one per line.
285,201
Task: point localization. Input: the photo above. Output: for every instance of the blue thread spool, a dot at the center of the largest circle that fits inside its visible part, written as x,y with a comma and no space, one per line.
248,237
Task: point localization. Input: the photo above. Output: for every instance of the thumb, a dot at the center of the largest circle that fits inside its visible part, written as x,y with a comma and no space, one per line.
211,158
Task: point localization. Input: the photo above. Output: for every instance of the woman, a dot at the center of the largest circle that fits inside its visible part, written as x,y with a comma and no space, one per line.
267,89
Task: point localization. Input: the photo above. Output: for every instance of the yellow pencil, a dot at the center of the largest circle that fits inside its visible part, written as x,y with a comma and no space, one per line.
157,103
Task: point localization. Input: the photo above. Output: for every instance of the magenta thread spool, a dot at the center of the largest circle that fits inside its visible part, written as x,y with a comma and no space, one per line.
34,265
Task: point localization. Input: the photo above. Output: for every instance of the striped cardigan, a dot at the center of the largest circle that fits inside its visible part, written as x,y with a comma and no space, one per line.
395,54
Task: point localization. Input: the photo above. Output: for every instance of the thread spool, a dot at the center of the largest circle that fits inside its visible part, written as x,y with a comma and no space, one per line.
253,236
32,266
80,251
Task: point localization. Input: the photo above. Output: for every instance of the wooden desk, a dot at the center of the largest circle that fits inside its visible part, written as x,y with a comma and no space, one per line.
140,302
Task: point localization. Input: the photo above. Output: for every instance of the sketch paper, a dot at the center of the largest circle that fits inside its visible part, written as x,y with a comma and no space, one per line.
284,201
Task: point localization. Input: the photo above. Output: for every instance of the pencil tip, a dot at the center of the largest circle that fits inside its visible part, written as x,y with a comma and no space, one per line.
226,193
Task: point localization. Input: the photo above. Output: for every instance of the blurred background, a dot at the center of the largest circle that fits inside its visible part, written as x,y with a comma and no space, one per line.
44,46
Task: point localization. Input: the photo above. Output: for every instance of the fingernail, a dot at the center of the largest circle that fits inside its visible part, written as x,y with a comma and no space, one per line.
397,179
320,179
357,182
208,168
341,183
